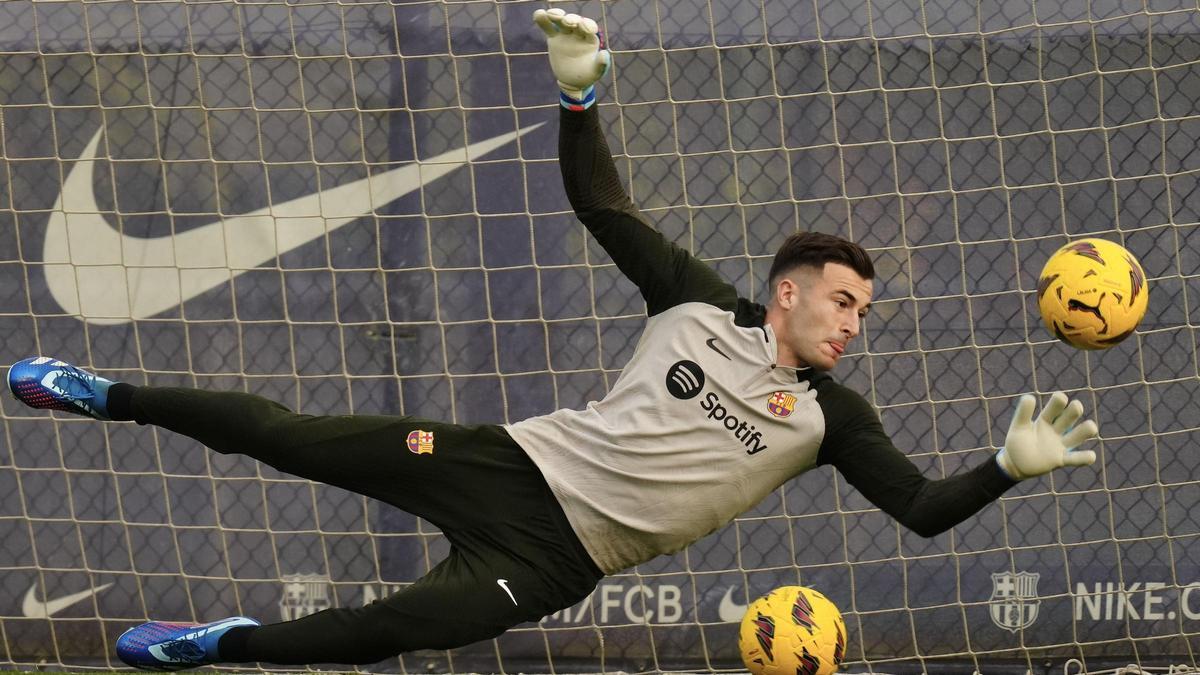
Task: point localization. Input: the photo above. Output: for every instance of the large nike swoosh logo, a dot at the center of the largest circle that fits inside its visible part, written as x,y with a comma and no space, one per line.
105,277
729,610
33,608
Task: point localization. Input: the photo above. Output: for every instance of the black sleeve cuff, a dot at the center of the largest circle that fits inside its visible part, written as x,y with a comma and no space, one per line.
992,478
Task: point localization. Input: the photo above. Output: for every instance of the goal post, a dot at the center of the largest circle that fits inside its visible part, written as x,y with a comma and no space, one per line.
356,208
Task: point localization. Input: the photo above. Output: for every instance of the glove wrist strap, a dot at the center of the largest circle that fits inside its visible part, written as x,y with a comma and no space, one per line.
578,100
1006,466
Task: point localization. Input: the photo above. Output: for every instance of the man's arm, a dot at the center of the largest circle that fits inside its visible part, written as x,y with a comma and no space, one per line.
666,274
857,446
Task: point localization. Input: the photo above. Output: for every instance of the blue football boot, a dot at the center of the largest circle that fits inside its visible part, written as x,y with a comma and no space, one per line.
49,384
159,645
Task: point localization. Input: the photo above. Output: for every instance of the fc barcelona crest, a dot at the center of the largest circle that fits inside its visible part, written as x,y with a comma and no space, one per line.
420,442
303,594
1014,602
781,404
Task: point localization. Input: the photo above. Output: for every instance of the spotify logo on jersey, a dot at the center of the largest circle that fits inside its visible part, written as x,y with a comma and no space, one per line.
685,379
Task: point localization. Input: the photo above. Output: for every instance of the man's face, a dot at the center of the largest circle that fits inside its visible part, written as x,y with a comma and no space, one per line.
820,311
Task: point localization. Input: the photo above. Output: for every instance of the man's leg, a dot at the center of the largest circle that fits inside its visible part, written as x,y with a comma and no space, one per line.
464,599
408,462
522,564
457,477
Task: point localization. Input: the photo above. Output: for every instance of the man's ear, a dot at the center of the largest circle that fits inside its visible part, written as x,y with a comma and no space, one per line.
785,293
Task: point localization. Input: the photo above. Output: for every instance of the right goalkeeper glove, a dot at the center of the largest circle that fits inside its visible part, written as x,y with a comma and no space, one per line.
577,55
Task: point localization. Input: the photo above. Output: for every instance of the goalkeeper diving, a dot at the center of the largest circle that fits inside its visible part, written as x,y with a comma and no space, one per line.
722,402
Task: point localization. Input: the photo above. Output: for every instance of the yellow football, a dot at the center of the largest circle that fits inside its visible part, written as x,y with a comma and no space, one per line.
1092,293
792,630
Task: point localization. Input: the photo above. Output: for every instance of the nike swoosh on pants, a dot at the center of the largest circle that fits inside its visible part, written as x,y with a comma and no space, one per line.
503,583
33,608
108,278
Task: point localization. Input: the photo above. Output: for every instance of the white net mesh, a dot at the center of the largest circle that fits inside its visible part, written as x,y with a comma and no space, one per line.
274,197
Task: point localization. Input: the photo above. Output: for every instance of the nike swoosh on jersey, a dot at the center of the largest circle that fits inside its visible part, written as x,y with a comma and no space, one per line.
33,608
730,611
712,344
106,277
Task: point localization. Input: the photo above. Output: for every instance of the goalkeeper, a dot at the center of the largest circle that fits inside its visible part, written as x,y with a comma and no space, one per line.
722,402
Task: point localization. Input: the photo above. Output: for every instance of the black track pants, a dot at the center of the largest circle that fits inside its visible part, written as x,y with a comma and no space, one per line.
514,557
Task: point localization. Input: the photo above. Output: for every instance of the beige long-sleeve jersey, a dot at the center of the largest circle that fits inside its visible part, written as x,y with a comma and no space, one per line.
702,424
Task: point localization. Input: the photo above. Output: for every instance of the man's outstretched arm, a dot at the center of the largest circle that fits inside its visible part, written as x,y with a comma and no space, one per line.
856,444
666,274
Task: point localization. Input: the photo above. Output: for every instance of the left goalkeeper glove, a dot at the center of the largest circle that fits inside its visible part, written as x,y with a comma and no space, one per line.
1034,447
577,54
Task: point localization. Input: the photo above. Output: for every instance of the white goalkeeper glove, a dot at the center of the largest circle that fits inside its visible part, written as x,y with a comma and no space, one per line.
577,55
1034,447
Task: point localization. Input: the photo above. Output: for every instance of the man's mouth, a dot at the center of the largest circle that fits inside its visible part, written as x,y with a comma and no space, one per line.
838,348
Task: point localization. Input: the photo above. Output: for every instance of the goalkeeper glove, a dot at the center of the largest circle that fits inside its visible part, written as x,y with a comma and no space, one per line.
1034,447
577,55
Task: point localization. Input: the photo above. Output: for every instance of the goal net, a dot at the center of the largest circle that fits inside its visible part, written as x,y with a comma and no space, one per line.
355,207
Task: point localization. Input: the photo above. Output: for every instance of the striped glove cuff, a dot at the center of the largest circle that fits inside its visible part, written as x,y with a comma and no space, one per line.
586,99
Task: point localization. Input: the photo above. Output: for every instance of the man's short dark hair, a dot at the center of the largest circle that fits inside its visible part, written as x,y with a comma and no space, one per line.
814,249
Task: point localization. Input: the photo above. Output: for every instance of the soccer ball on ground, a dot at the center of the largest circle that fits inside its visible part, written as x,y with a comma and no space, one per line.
1092,293
792,630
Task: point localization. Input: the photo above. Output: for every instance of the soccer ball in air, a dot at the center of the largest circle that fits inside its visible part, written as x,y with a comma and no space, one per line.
792,630
1092,293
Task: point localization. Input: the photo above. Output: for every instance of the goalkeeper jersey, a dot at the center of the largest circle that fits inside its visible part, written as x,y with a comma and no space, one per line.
702,424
